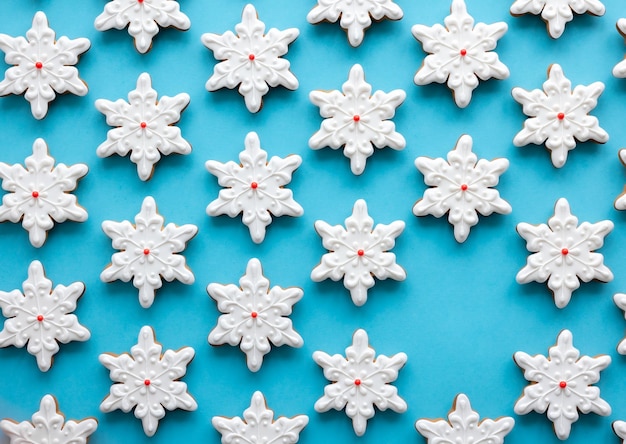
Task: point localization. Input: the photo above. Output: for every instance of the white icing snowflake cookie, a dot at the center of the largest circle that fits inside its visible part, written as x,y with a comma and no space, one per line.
619,427
620,202
360,381
561,384
39,194
144,126
251,59
148,380
355,15
620,301
620,69
563,253
258,425
143,18
254,315
460,53
48,425
41,316
557,13
463,426
461,187
357,120
148,252
559,116
255,188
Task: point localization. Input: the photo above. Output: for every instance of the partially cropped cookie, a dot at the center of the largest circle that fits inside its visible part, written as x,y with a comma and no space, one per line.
620,69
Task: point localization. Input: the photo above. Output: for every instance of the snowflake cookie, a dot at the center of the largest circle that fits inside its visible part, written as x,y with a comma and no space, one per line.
39,194
620,69
48,425
355,15
41,316
460,53
559,116
357,253
255,188
144,126
357,120
556,13
563,252
620,301
148,380
258,425
461,187
619,427
620,202
254,315
359,381
143,18
251,59
463,426
148,252
561,384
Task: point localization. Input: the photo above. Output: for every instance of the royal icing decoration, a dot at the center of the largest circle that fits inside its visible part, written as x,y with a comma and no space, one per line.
461,187
148,380
619,427
620,69
253,315
144,126
39,194
563,253
41,316
143,18
357,253
357,120
42,66
356,15
360,381
258,425
463,426
556,13
48,425
148,252
561,384
255,188
620,301
559,116
460,53
620,202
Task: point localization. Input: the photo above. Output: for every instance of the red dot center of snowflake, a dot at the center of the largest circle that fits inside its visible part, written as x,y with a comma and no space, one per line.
143,125
139,1
464,187
357,382
356,118
40,318
564,251
463,52
560,116
38,65
562,384
146,382
360,252
254,185
35,194
254,314
146,251
251,57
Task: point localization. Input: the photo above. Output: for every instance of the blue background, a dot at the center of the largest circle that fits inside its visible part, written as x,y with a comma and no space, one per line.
459,315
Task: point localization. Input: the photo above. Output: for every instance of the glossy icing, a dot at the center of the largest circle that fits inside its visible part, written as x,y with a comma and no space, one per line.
620,201
620,301
619,427
620,69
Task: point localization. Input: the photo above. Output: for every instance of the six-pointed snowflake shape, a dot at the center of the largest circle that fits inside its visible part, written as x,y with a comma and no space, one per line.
148,252
357,120
356,15
39,194
359,381
143,18
258,425
556,13
620,301
144,126
48,426
255,187
41,316
251,59
563,252
42,66
620,69
559,116
461,187
460,53
463,426
148,380
254,315
357,253
561,384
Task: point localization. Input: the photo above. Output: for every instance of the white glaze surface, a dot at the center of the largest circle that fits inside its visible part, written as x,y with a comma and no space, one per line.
557,13
619,427
619,70
620,301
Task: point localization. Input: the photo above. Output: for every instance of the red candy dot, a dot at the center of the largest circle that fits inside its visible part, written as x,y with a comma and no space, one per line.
356,118
254,314
254,185
40,318
251,57
564,251
464,187
463,52
562,384
146,382
146,251
360,252
357,382
139,1
38,65
560,116
35,194
143,124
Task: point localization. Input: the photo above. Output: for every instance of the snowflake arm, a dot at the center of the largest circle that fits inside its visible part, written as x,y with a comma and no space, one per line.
620,202
619,427
620,301
144,126
563,253
561,384
360,381
461,187
142,18
148,252
463,426
620,69
356,120
251,59
460,53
